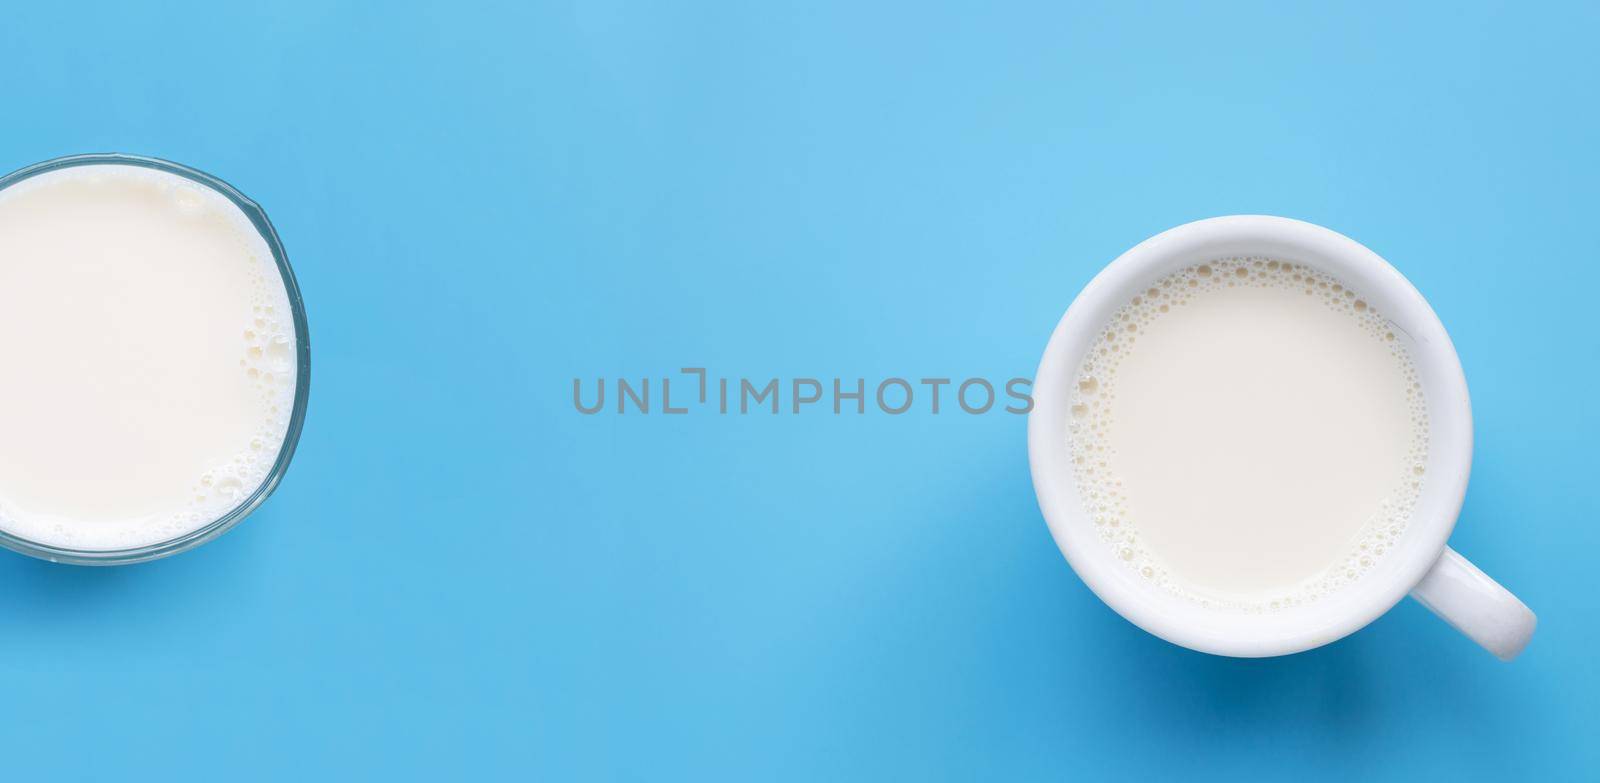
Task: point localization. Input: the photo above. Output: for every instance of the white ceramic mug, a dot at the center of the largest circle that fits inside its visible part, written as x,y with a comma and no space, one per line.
1421,564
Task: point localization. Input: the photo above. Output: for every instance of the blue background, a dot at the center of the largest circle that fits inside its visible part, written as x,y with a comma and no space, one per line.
462,576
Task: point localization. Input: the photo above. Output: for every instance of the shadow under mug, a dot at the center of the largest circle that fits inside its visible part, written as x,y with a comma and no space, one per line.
302,391
1421,563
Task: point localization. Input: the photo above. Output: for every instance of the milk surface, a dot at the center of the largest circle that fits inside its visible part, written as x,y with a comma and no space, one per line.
1249,433
148,354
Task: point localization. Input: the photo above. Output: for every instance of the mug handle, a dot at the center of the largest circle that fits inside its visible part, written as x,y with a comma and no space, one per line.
1476,605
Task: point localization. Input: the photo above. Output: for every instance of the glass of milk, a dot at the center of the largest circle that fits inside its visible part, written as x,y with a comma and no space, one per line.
156,354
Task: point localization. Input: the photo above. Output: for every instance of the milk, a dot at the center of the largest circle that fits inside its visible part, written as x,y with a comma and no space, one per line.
149,355
1249,433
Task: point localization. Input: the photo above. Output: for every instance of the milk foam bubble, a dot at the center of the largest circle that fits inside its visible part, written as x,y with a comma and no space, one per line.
1221,488
151,356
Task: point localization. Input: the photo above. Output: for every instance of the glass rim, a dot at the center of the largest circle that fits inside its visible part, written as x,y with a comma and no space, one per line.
302,392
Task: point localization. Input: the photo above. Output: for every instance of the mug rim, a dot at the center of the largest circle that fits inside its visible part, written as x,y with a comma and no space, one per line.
1277,632
258,219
